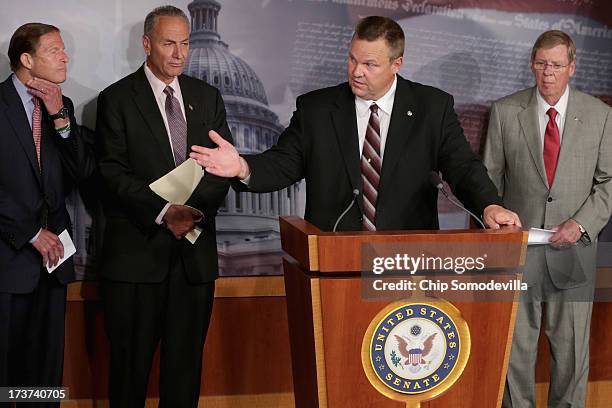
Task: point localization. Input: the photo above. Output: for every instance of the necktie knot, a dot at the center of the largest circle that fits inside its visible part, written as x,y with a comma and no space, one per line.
169,91
552,113
36,102
374,108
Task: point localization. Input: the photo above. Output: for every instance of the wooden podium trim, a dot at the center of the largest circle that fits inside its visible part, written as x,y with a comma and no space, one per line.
502,385
313,252
317,323
524,248
300,239
510,336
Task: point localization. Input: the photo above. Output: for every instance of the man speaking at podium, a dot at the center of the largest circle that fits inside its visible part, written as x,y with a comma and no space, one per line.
373,140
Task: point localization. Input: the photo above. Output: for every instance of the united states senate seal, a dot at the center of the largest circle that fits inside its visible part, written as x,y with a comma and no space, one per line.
416,348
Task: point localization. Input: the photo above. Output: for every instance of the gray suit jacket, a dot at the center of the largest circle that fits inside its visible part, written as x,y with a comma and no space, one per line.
582,188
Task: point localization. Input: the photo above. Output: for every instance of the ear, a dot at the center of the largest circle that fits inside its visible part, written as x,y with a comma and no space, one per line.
146,44
572,68
26,60
397,64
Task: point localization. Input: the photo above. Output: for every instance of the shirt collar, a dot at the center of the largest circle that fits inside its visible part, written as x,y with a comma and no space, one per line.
560,107
158,85
22,91
385,103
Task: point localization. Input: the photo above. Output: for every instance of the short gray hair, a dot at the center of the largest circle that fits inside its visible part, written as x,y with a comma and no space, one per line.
162,11
552,38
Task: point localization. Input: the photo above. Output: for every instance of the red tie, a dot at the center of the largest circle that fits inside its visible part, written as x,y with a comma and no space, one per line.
36,130
551,146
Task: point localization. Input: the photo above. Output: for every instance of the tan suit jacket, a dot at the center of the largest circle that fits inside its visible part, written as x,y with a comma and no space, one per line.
582,188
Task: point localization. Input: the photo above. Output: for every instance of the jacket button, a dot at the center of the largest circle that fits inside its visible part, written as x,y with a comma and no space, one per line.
549,199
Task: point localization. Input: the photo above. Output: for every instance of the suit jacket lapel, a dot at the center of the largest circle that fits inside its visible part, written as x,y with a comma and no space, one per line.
571,131
190,103
344,119
147,105
399,129
18,119
530,125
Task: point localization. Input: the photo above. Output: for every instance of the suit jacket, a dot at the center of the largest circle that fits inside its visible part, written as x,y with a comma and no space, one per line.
582,187
134,150
29,197
321,145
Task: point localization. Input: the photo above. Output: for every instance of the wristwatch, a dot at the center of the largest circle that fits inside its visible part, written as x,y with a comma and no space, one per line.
61,114
584,236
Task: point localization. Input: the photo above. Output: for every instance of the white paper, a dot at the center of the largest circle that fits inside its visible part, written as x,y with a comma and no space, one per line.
538,236
177,186
69,249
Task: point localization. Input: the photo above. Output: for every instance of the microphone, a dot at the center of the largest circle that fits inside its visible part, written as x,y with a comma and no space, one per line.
355,194
436,181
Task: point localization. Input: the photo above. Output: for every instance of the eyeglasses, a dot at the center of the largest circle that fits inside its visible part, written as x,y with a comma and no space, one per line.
541,66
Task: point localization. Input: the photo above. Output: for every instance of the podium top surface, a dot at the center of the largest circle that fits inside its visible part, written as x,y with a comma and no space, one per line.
335,252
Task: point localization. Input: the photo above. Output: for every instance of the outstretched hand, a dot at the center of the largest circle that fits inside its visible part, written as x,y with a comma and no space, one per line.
222,161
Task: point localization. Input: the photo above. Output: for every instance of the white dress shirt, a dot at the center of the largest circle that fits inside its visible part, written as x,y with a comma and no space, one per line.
385,107
158,86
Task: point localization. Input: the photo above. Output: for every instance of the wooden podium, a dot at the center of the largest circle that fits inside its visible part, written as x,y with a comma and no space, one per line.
328,316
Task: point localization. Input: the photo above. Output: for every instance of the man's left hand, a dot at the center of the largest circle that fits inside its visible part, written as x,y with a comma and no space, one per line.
495,216
566,234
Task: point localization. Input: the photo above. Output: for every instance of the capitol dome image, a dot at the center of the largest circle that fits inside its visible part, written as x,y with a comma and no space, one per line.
248,236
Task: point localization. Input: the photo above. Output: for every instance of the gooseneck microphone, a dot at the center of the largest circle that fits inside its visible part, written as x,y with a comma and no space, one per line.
436,181
355,194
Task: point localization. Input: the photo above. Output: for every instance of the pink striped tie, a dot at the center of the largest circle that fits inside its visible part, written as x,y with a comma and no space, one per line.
371,164
36,127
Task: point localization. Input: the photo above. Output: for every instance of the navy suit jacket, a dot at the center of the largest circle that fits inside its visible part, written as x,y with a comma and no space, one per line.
28,196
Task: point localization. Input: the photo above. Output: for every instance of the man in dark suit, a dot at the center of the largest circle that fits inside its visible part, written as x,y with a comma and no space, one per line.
375,139
155,284
41,156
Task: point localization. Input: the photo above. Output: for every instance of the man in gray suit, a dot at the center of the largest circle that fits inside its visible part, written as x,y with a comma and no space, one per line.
549,152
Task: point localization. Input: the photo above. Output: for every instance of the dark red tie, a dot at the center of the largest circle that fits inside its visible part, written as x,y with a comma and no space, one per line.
552,144
371,164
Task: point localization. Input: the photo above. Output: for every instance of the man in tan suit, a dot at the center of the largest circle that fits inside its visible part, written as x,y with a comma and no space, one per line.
549,152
